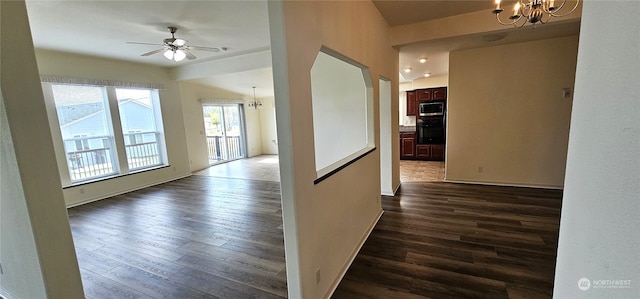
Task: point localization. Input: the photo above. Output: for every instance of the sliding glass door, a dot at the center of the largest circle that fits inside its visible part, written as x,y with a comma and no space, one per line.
224,129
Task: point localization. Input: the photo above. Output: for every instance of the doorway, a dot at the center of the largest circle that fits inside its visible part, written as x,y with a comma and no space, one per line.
224,132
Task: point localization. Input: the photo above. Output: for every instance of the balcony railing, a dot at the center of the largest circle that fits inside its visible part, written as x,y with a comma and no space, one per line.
144,152
97,159
90,163
216,148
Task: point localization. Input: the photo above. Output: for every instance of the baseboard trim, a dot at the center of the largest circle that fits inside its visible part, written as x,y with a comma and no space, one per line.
90,200
395,190
504,184
336,282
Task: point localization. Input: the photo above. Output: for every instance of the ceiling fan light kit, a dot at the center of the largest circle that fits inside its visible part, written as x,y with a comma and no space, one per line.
176,49
175,55
533,11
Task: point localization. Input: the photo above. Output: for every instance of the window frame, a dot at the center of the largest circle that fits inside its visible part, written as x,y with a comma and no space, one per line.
120,164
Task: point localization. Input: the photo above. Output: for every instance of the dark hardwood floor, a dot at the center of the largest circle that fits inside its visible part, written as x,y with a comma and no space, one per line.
442,240
206,237
198,237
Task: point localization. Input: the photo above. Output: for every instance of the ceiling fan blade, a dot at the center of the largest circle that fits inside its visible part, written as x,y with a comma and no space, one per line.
138,43
210,49
153,52
190,56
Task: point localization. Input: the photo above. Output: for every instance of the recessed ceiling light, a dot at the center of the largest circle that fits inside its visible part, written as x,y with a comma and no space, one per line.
407,70
423,60
427,75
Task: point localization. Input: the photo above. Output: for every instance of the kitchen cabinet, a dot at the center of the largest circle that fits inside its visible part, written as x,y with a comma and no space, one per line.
414,97
423,94
411,103
407,145
423,151
437,152
439,93
430,152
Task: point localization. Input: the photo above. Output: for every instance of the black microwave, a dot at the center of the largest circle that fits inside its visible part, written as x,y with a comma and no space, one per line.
433,108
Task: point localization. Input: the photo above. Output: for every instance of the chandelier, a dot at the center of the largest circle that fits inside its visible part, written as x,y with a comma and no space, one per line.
533,11
255,104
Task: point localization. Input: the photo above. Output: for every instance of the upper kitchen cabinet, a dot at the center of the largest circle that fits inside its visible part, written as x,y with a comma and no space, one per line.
423,94
411,103
439,93
414,97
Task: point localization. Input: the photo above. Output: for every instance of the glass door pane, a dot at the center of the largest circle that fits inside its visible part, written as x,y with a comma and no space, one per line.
233,132
224,128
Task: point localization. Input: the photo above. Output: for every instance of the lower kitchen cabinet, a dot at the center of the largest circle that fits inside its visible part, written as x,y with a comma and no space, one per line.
409,150
430,152
437,152
407,145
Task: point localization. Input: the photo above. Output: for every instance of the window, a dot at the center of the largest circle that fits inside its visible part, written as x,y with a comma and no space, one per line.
138,122
94,143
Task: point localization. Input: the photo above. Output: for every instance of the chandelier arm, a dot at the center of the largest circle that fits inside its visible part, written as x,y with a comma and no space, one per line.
559,7
566,14
521,25
507,24
542,21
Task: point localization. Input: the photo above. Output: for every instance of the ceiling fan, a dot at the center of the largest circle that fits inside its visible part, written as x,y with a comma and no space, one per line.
176,49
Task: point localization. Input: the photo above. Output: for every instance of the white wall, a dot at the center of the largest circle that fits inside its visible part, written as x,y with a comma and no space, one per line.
387,184
505,126
326,223
600,221
268,126
36,249
254,130
79,66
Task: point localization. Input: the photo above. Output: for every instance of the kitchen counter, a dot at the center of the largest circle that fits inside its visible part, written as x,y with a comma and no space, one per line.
408,129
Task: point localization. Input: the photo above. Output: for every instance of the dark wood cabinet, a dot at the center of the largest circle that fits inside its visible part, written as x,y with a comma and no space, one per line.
430,152
407,145
414,97
439,93
411,103
437,152
423,151
423,94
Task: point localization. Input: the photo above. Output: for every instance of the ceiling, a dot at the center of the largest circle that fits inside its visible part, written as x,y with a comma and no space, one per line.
402,12
102,28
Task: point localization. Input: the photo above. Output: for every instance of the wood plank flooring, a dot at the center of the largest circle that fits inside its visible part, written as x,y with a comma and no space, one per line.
198,237
442,240
209,237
